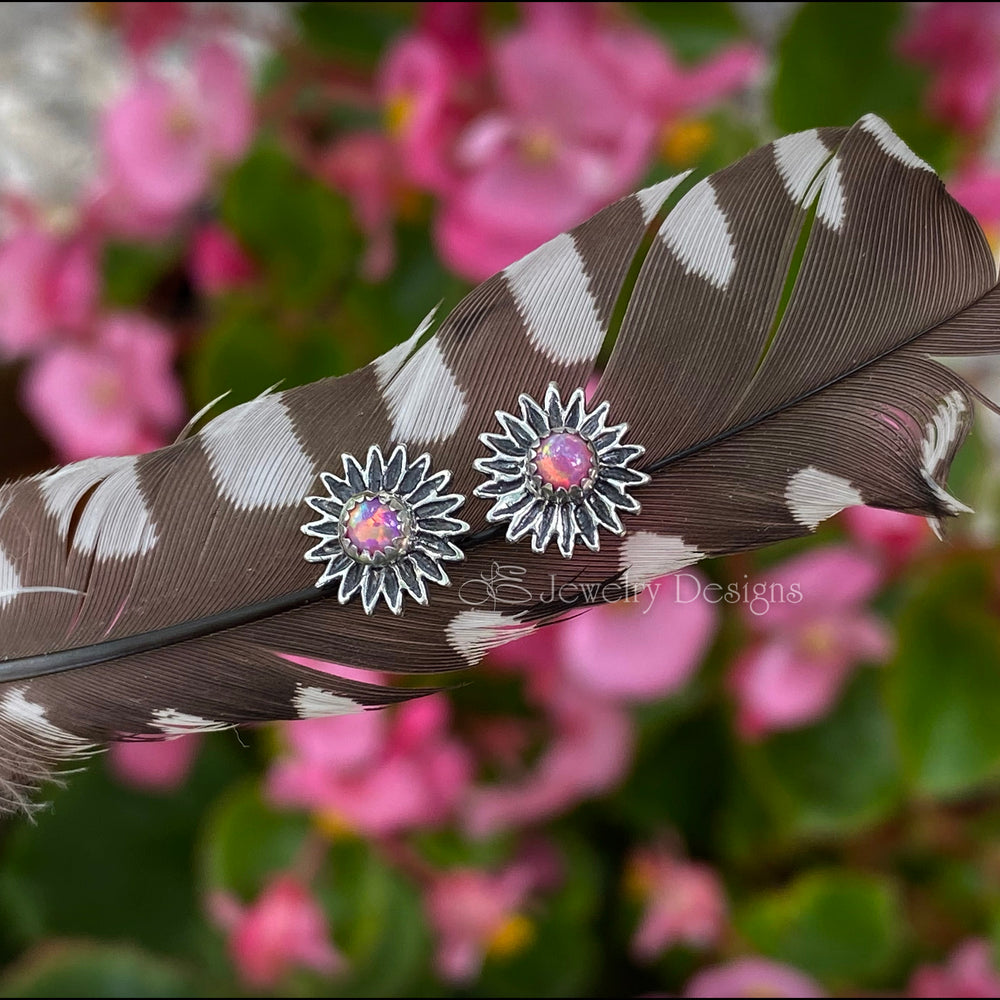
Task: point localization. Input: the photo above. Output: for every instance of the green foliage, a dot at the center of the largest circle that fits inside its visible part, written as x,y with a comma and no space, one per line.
108,862
837,776
944,686
841,926
298,229
694,30
71,969
837,62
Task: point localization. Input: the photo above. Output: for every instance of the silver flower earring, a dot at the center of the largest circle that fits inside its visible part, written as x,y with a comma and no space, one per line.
385,529
559,471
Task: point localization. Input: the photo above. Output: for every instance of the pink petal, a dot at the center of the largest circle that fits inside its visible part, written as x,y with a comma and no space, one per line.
616,650
969,972
752,977
811,585
218,263
156,148
283,929
225,101
777,687
160,765
895,535
589,754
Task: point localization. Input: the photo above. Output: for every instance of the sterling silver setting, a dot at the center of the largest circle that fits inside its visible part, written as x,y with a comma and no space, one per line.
385,529
545,499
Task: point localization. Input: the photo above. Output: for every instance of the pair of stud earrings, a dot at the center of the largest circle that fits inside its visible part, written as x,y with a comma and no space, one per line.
557,472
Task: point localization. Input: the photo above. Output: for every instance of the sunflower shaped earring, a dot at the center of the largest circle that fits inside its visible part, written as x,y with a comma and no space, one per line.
559,471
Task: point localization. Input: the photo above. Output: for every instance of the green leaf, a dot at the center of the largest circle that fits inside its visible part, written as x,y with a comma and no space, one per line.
80,969
694,30
131,271
683,796
354,32
944,684
837,62
837,776
244,353
379,922
245,842
298,229
108,861
841,926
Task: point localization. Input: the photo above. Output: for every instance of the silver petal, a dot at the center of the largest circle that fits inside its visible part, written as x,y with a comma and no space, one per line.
394,468
350,583
371,588
533,415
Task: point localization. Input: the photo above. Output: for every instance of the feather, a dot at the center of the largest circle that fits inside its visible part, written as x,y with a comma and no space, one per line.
773,364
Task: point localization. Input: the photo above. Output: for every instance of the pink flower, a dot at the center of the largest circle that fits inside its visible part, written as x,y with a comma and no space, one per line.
375,772
580,102
48,285
977,187
478,913
752,977
115,395
218,263
894,535
365,167
282,930
428,100
161,140
155,765
960,43
815,630
147,25
969,972
616,650
684,903
589,752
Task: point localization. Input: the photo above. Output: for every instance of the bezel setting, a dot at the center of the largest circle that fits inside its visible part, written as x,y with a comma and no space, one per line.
542,509
400,565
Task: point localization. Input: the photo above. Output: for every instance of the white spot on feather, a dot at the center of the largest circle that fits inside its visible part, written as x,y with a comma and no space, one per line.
813,495
552,293
317,703
10,580
646,555
61,490
799,158
891,144
175,723
651,199
386,365
472,634
697,233
256,457
425,402
940,433
16,710
115,522
830,209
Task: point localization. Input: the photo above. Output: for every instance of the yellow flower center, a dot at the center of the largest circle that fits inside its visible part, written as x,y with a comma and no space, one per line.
538,147
511,937
398,113
333,825
818,639
105,391
683,142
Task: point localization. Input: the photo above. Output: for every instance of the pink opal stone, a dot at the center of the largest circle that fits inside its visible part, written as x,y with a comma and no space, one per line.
564,460
373,526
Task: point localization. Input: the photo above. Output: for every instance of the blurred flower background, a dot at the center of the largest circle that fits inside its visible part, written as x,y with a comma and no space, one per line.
716,790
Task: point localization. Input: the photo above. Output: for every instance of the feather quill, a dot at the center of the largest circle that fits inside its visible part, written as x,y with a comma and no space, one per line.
775,360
